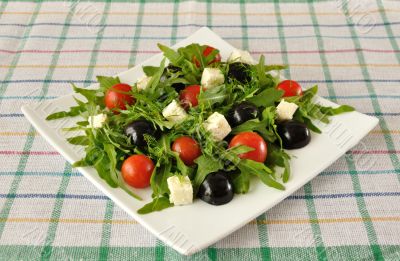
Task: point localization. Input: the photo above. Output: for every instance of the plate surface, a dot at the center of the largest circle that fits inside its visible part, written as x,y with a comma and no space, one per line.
191,228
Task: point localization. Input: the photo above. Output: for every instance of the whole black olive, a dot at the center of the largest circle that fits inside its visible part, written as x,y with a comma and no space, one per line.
294,134
136,129
216,189
240,72
241,113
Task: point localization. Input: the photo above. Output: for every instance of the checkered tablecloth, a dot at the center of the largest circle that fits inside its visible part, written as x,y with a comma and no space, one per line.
351,211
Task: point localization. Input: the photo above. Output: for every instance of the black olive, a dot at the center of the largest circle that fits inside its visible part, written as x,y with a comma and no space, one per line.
241,113
240,72
216,189
294,134
136,129
178,86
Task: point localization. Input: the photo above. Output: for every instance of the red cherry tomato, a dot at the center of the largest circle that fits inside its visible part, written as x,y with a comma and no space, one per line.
187,148
290,88
136,171
117,98
188,96
253,140
206,53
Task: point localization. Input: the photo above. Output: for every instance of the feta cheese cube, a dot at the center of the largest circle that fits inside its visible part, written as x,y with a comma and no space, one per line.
241,56
174,112
97,121
285,110
143,82
181,190
212,77
218,126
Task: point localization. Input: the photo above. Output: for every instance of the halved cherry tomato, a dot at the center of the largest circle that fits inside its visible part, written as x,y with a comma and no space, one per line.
188,96
117,98
187,148
136,171
290,88
253,140
206,53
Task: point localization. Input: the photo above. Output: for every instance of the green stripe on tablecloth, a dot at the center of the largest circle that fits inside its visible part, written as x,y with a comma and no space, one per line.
282,40
263,238
353,252
388,29
97,44
319,245
47,249
209,13
350,160
21,46
138,31
29,140
3,7
321,250
316,229
388,138
245,43
175,18
106,235
51,232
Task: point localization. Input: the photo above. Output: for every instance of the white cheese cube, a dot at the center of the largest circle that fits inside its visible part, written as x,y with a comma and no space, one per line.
174,112
212,77
97,121
241,56
218,126
181,190
285,110
143,82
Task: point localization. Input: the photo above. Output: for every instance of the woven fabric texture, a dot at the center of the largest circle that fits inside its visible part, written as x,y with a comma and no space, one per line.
351,211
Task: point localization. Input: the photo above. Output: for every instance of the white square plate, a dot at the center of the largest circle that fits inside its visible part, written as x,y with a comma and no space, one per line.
191,228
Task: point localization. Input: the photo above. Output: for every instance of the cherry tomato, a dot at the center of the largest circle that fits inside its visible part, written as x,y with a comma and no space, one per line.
188,96
290,88
136,171
188,149
206,53
117,98
253,140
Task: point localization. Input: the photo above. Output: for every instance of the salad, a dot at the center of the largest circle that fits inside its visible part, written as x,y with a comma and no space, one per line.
195,126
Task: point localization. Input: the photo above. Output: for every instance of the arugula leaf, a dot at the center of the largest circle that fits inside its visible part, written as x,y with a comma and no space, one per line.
267,98
212,96
73,111
150,70
206,165
258,126
274,67
89,94
174,57
107,82
261,171
241,182
158,180
180,165
286,172
79,140
335,111
157,204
